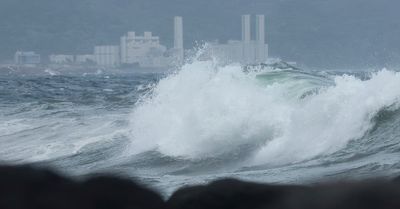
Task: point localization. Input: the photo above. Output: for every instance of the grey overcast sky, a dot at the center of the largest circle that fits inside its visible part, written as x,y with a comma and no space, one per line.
316,33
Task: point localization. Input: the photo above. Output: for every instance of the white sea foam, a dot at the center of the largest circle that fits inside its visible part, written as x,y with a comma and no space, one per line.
205,110
326,122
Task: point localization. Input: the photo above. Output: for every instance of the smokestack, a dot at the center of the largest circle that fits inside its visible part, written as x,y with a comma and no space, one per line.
246,39
178,38
260,29
260,39
178,33
246,35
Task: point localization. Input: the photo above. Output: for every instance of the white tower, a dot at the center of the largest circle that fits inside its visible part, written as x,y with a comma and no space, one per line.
246,35
246,39
260,39
178,38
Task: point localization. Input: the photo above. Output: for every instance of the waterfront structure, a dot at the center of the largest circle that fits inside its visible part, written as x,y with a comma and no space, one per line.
133,50
107,56
145,51
246,51
85,59
61,59
26,58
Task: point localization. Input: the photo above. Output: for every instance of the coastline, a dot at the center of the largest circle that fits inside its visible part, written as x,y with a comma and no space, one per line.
15,70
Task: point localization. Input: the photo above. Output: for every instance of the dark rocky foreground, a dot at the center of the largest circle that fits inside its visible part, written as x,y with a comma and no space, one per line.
25,187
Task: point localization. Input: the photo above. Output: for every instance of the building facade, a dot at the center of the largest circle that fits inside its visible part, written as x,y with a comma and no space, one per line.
85,59
107,56
26,58
145,50
61,59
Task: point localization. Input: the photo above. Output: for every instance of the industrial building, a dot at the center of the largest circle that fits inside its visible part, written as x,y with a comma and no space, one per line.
147,51
107,56
246,51
61,59
144,51
134,50
85,59
26,58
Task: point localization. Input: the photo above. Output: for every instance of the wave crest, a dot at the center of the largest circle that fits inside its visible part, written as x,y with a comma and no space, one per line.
205,111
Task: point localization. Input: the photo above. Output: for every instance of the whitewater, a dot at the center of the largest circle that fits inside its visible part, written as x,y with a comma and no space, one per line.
204,122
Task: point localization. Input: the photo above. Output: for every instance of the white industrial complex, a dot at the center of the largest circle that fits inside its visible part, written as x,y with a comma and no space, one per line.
142,50
146,51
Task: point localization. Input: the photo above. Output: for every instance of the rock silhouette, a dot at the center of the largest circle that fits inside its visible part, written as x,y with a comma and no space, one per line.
26,187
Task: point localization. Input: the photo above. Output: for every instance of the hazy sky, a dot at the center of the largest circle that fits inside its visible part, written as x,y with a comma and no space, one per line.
317,33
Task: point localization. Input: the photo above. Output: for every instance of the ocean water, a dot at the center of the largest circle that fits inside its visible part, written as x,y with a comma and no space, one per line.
205,122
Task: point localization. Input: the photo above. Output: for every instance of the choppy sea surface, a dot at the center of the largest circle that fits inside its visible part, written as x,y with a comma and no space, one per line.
205,122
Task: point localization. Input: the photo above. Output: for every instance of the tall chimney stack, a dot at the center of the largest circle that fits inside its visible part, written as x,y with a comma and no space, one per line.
260,38
246,39
260,29
246,25
178,38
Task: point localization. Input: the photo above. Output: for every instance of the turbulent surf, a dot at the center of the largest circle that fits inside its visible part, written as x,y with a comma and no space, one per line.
206,121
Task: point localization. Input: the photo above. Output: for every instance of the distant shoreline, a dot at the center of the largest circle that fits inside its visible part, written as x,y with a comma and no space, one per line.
75,70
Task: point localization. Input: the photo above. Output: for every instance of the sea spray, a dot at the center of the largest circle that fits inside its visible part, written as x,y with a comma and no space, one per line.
206,110
203,111
327,121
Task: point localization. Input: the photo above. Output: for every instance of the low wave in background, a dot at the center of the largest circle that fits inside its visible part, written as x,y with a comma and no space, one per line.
205,122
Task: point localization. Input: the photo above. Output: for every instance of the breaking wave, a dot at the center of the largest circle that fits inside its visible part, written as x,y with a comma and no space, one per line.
269,116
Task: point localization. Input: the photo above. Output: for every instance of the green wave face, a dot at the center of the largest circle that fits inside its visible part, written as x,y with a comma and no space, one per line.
299,83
